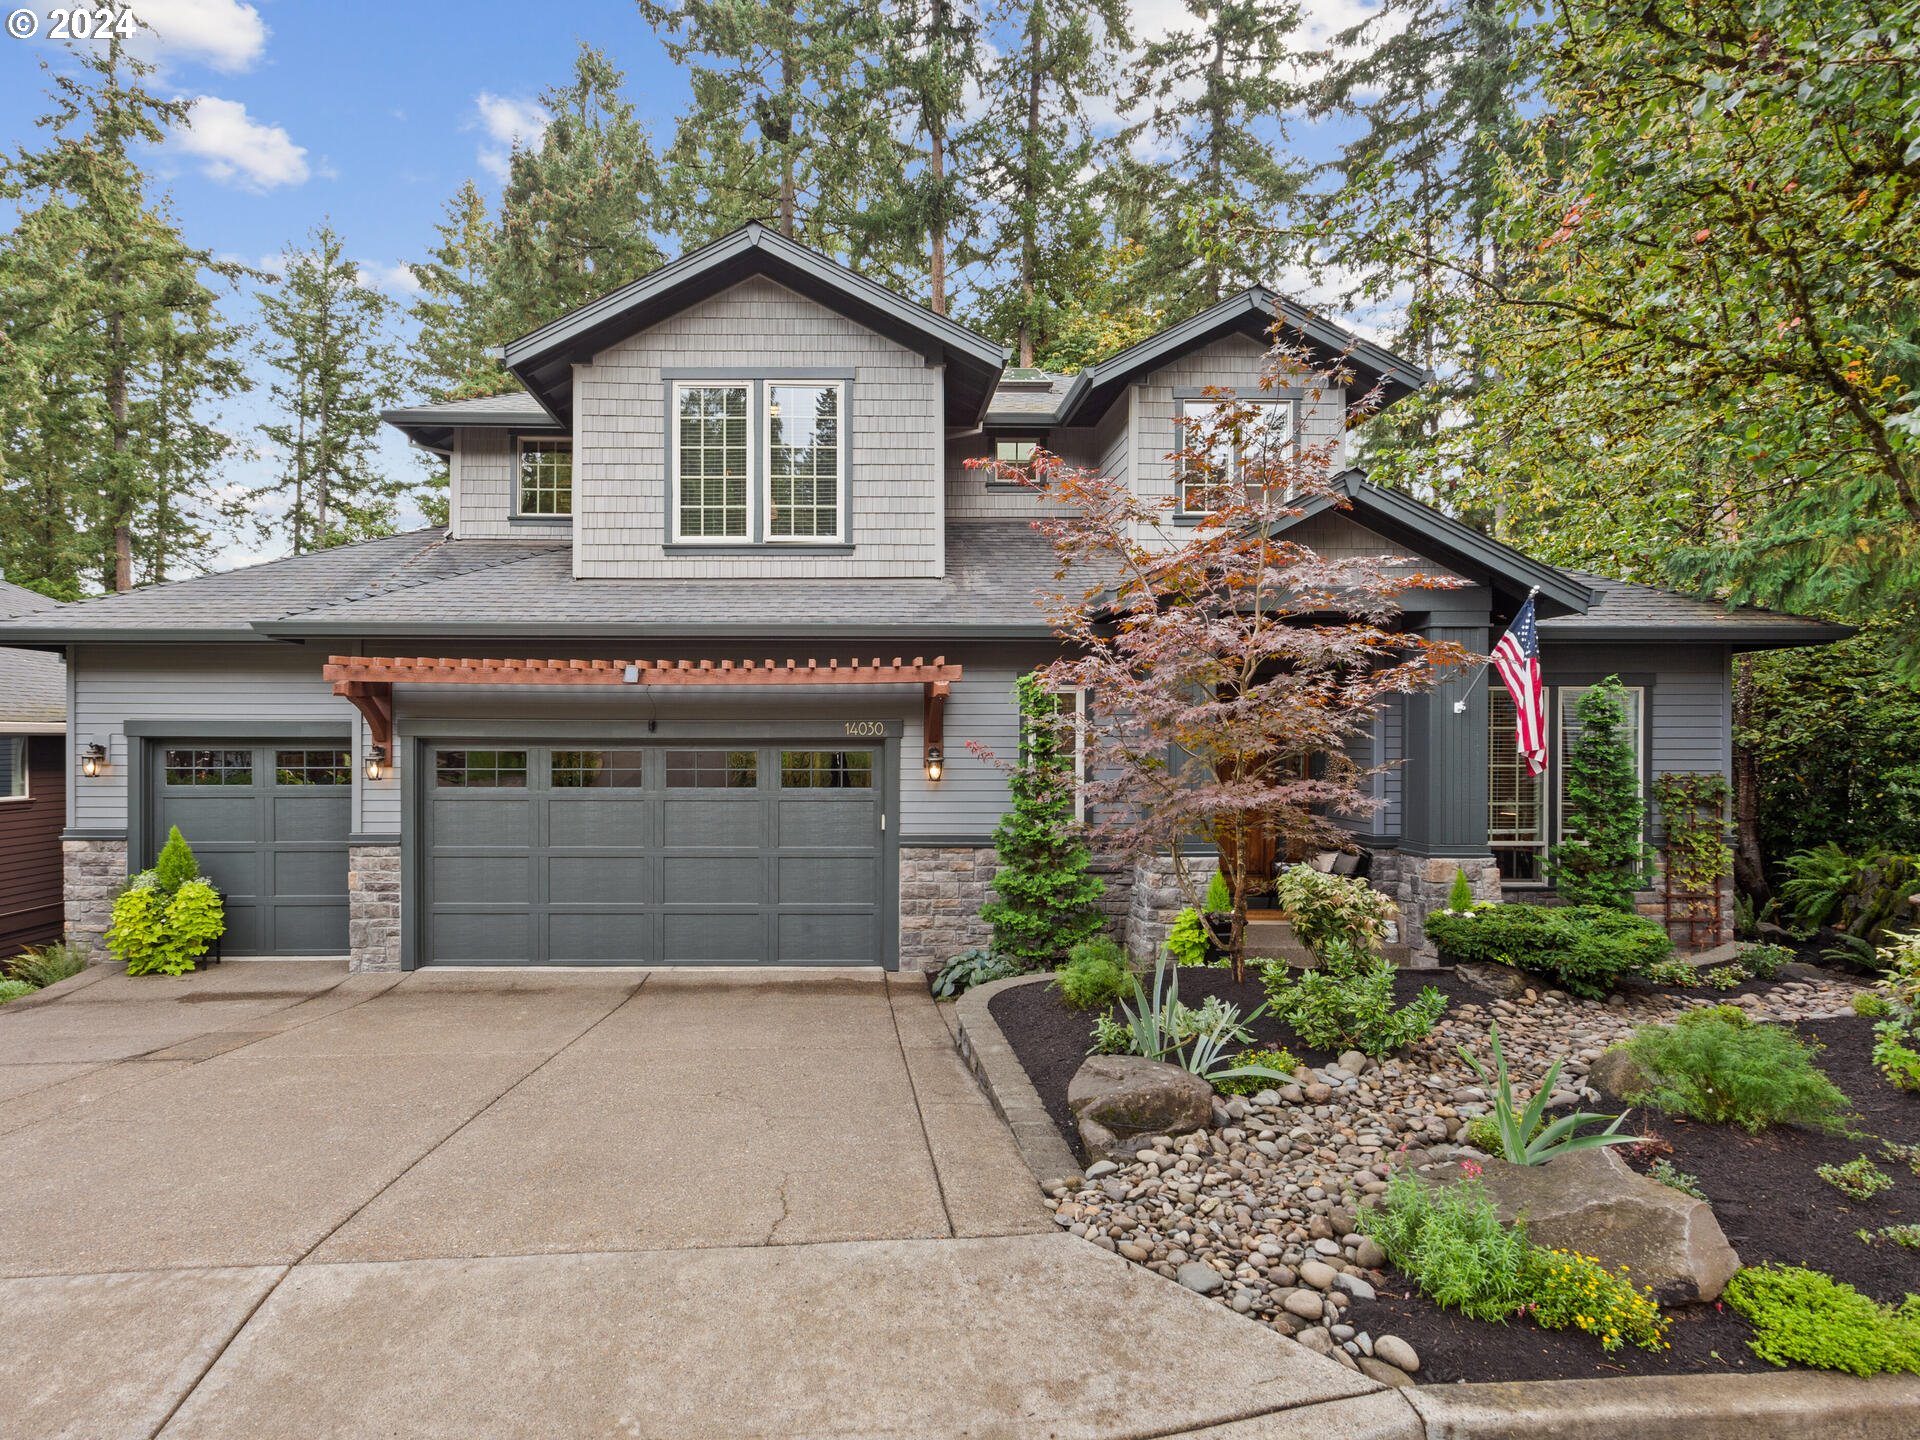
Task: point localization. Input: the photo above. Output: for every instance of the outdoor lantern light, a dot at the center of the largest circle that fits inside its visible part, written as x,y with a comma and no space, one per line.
92,757
936,762
375,755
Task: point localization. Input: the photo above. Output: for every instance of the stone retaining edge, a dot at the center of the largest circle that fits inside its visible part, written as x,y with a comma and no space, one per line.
1001,1075
1789,1405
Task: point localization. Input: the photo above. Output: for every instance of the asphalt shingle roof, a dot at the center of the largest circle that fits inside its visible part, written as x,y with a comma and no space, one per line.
33,685
1622,609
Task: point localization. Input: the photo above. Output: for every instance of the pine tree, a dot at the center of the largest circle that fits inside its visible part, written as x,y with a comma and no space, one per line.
1213,208
1606,861
1046,898
328,341
1040,226
576,213
459,329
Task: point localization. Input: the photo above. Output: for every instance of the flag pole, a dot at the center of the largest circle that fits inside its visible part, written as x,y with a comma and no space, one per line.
1460,705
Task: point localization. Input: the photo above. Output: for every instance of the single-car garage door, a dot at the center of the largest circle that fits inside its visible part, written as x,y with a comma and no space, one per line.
269,825
652,853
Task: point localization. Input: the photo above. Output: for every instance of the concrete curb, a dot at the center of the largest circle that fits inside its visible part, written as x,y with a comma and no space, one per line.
1001,1075
61,989
1702,1407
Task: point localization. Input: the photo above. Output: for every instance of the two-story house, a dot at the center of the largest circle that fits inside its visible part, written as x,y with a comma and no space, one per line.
690,673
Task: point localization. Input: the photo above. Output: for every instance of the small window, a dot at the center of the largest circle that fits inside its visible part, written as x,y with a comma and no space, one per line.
712,769
596,769
209,767
1211,462
13,767
826,769
480,769
1009,450
805,461
711,465
1516,800
546,477
312,767
1073,708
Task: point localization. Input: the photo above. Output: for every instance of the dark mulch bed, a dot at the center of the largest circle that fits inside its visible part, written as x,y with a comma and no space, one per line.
1763,1190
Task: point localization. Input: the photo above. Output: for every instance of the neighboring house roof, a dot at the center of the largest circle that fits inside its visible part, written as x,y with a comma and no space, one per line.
1625,611
33,687
543,361
432,426
423,583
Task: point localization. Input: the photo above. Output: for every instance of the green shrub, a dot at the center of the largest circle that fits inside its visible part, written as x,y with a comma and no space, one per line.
1219,895
1583,949
970,968
1711,1067
1677,973
1111,1037
1858,1179
1187,938
49,965
1280,1061
1898,1012
14,989
176,864
1448,1240
1460,894
1763,962
1606,861
1568,1290
1095,975
1725,977
1802,1317
1330,912
1871,1005
1346,1003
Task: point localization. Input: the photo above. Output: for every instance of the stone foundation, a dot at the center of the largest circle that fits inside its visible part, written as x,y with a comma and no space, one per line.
941,892
1688,940
1156,897
373,907
93,874
1419,885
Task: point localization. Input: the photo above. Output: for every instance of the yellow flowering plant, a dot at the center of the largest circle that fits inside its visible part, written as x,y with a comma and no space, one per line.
1567,1289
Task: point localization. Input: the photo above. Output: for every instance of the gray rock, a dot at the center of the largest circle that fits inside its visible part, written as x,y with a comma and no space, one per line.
1594,1202
1317,1340
1354,1063
1386,1374
1121,1098
1368,1253
1397,1353
1303,1303
1203,1278
1355,1286
1100,1169
1615,1073
1501,981
1318,1274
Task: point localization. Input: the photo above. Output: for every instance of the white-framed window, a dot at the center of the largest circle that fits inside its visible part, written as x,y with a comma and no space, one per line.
1516,799
1566,700
1015,449
545,469
1213,460
1073,703
712,462
806,459
13,767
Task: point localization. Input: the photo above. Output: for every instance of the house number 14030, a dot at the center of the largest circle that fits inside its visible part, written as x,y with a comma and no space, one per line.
866,727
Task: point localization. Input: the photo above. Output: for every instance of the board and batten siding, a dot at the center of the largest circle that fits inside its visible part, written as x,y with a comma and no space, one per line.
893,439
212,684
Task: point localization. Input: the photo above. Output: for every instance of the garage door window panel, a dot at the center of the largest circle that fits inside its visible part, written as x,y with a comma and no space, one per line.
597,769
826,769
480,769
312,767
209,767
712,770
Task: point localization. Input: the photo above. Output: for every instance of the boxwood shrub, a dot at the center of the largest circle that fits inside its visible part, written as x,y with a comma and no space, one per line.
1583,949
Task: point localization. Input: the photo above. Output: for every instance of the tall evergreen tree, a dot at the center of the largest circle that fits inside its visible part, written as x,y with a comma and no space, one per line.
107,303
776,131
1041,227
1213,93
458,326
327,340
576,214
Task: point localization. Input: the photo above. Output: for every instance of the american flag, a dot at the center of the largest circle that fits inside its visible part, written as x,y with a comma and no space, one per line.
1517,658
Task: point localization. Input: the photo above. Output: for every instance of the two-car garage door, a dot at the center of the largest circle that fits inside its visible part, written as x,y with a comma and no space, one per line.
636,852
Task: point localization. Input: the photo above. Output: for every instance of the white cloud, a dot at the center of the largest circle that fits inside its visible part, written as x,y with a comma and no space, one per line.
234,148
509,123
226,34
396,279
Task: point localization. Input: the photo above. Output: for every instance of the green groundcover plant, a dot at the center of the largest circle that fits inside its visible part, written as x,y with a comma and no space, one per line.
1584,949
1095,975
970,968
1714,1064
49,965
1802,1317
14,989
1281,1062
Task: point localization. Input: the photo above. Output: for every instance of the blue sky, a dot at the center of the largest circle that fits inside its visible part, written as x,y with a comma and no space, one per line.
371,115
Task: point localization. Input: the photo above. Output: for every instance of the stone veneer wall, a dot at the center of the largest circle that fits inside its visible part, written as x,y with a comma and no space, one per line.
941,892
373,907
1156,898
1419,884
93,874
1652,903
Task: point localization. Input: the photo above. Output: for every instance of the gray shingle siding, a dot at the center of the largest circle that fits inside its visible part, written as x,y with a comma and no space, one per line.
894,438
481,501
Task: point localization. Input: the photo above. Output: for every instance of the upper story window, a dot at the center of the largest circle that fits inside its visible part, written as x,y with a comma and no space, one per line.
546,476
759,461
1214,456
1015,450
13,767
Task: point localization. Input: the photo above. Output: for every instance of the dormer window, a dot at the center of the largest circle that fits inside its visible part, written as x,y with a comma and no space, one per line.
1015,450
546,477
759,461
1213,458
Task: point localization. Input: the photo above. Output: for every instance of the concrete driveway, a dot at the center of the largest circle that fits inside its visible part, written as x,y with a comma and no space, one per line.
274,1199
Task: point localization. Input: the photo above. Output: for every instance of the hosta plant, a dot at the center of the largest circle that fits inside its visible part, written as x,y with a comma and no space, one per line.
970,968
1525,1138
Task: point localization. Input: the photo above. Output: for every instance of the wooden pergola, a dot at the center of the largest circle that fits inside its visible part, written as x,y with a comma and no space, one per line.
367,681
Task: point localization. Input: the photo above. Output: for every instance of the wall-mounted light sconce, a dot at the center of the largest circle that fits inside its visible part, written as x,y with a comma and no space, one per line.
376,757
93,758
936,762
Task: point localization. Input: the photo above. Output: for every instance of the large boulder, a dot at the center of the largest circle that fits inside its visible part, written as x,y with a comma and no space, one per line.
1592,1201
1117,1098
1617,1075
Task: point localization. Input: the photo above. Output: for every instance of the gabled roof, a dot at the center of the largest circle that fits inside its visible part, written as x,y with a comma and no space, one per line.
33,688
432,426
1622,610
543,361
1254,314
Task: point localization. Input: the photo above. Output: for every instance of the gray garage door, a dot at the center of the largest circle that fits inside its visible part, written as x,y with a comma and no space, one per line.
648,853
269,824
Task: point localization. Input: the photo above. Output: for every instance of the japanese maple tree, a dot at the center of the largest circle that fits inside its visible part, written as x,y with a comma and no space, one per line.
1228,664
